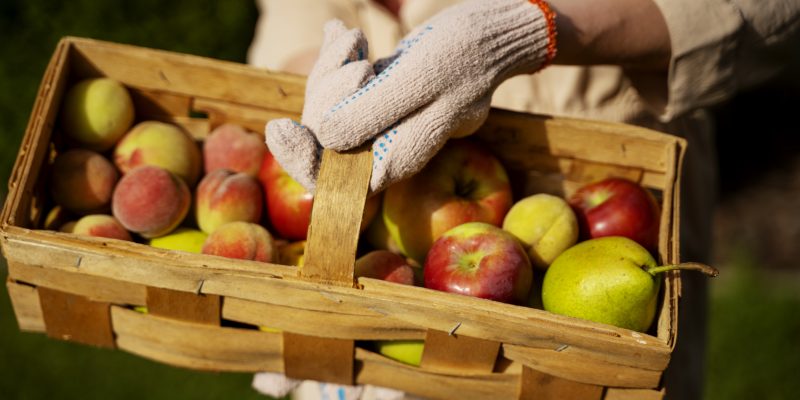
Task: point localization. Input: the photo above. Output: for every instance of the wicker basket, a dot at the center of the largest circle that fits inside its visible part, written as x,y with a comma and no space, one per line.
204,309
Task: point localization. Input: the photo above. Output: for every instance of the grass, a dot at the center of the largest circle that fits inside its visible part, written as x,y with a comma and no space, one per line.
754,347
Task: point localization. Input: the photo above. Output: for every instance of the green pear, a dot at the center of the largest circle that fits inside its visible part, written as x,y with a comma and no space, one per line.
612,280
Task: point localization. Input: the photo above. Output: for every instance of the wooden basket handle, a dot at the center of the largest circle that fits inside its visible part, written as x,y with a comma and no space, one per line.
342,187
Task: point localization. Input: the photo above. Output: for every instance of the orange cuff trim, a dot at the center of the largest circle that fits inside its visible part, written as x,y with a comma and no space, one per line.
550,15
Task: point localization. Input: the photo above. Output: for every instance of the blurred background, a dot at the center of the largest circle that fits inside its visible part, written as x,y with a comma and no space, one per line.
754,337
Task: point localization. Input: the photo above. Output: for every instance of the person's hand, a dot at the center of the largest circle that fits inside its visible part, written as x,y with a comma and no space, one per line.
437,85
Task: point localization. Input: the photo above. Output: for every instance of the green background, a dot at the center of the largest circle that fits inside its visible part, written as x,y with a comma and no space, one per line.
754,347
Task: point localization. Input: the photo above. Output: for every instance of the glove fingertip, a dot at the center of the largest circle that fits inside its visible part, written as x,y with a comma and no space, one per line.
332,30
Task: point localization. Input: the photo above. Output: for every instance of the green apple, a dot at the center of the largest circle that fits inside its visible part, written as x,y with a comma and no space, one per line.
611,280
546,226
406,351
184,239
96,113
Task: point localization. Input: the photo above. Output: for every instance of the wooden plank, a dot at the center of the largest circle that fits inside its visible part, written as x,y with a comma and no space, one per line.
578,365
334,230
27,308
197,346
252,118
456,353
540,386
198,128
378,370
188,75
34,146
94,288
75,318
516,135
152,104
353,323
319,359
184,306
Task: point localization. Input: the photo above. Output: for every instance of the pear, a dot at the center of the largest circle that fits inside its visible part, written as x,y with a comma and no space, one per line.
612,280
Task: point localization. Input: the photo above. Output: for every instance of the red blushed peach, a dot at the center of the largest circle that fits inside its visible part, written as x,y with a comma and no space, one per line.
230,146
82,181
150,201
226,196
242,240
162,145
101,225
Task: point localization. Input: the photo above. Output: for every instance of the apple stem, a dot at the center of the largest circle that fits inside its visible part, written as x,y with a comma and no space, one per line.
693,266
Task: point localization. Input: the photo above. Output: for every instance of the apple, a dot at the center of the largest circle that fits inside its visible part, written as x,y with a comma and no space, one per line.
545,224
385,265
480,260
463,183
392,267
289,203
617,207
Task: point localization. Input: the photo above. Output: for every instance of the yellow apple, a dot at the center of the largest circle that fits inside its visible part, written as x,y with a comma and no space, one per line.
546,226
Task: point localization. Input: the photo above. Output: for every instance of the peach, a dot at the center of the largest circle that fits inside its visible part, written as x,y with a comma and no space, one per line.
101,225
227,196
242,240
150,201
67,227
162,145
82,181
96,112
232,147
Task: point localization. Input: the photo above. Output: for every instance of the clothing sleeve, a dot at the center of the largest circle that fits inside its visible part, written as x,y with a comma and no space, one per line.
287,29
720,47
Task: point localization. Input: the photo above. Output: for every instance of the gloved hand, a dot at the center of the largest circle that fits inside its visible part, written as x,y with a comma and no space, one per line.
438,84
340,70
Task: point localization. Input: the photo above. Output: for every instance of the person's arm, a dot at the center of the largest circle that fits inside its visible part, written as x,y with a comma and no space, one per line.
630,33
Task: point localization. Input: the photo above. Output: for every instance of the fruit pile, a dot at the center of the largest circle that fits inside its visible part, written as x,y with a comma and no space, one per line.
150,181
455,226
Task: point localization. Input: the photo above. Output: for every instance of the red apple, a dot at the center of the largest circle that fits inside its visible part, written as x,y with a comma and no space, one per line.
617,207
385,265
463,183
288,202
481,260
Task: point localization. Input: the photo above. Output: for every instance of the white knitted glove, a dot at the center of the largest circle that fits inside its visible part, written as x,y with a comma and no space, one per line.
340,70
437,85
